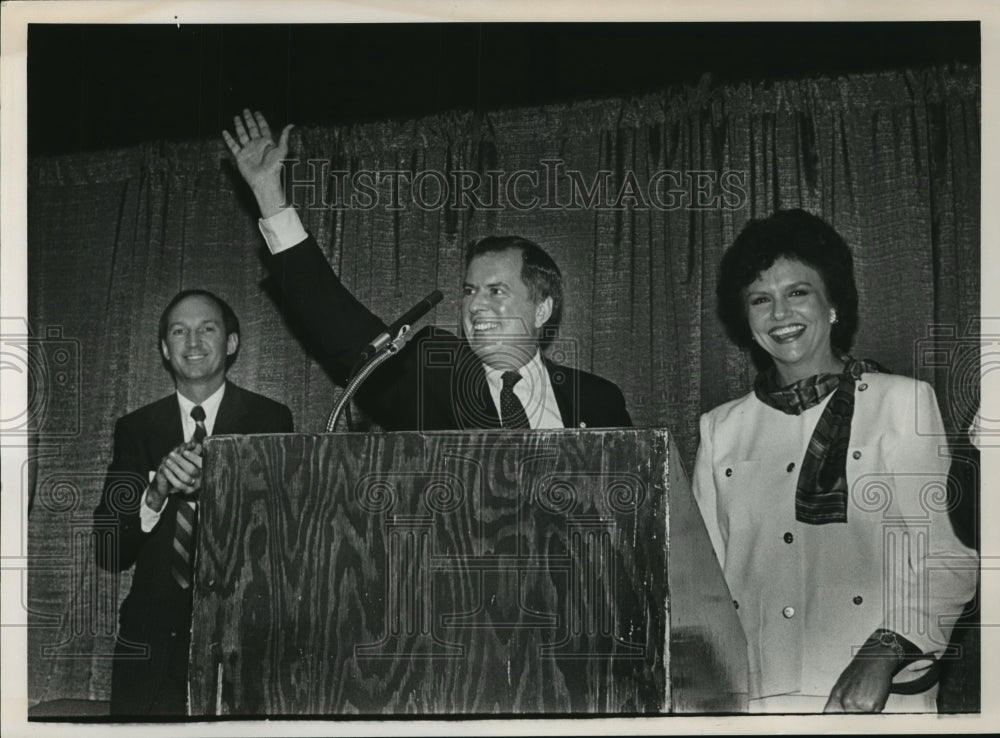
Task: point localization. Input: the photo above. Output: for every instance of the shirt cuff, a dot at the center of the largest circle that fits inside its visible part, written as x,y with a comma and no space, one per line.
148,517
976,429
282,230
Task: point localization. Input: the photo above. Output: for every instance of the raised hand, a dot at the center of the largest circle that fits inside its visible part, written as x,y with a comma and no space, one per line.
259,158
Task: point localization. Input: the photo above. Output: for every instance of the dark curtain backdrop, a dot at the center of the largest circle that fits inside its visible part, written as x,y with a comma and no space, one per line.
891,159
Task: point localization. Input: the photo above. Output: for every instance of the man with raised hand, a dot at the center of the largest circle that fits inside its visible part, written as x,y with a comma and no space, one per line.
493,376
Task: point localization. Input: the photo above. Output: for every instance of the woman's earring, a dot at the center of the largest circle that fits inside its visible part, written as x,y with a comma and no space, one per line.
833,316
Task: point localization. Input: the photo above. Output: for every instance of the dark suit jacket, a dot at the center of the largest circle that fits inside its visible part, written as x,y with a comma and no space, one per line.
437,382
156,606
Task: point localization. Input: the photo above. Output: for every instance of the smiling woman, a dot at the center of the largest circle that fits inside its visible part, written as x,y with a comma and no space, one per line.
790,317
786,291
784,478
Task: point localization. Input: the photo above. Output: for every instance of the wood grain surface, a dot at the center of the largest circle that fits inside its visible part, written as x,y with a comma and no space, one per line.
453,573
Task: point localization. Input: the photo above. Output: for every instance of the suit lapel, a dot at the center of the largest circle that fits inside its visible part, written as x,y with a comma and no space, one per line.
491,415
162,431
227,420
474,406
563,384
169,429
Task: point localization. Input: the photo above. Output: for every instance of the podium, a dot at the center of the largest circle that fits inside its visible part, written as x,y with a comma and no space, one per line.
457,573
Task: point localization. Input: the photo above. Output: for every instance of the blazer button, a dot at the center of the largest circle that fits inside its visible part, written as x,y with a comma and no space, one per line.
729,472
862,387
856,455
788,537
788,612
858,599
736,604
790,467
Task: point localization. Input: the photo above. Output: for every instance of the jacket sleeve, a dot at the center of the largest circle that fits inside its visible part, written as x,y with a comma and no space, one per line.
704,490
931,575
624,419
285,424
119,536
338,324
339,327
618,416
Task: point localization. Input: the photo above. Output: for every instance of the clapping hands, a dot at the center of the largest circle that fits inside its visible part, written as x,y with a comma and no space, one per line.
178,473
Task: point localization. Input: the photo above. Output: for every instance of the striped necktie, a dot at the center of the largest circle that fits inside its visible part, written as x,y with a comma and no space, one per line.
187,517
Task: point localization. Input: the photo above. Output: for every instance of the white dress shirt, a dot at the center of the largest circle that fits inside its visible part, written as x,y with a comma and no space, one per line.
148,517
534,391
282,230
976,428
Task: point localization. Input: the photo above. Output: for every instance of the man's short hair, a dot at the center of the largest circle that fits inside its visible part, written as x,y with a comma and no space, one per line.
230,322
538,271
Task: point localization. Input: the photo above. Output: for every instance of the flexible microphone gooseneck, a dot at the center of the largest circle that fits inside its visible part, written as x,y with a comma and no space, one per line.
385,344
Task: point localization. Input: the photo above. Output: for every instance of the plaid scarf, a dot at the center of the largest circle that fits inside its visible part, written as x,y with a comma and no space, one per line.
821,492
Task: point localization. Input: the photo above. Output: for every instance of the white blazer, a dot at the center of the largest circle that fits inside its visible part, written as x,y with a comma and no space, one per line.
809,595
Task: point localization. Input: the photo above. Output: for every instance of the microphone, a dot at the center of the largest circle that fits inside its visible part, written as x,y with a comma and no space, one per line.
410,317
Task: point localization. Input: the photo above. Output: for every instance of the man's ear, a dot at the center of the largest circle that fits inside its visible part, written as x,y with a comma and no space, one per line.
165,350
232,343
543,311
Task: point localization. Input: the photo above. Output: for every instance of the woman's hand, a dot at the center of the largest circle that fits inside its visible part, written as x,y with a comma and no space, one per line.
259,159
864,685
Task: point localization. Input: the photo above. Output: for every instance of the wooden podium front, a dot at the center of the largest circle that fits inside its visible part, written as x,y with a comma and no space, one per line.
540,572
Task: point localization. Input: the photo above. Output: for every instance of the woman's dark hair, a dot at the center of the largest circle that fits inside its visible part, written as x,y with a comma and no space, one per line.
230,322
538,271
795,235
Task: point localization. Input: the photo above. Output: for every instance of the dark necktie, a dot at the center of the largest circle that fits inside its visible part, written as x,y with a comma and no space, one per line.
187,517
512,413
198,415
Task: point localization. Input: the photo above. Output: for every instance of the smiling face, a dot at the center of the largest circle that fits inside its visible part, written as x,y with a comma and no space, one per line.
499,317
790,318
196,346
